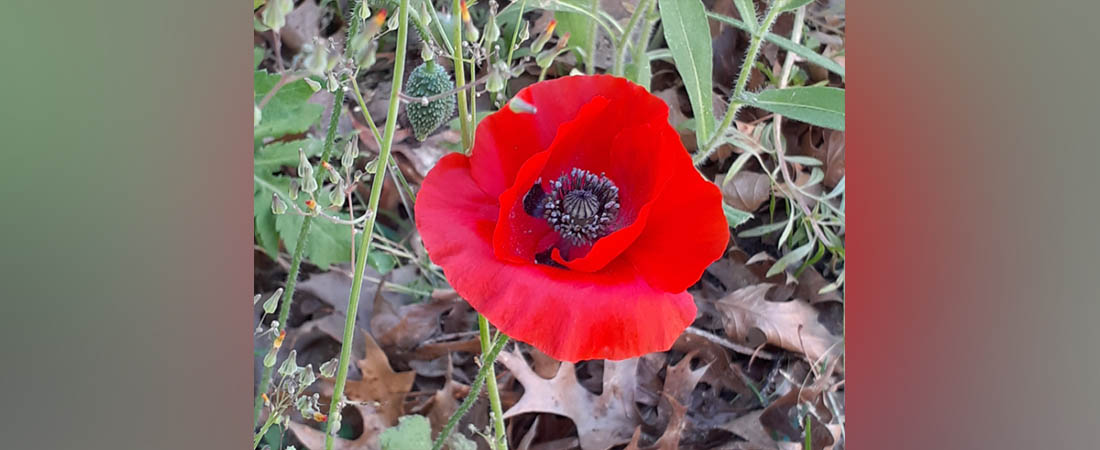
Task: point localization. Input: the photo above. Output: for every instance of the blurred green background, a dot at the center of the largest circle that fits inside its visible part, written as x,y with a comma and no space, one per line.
126,224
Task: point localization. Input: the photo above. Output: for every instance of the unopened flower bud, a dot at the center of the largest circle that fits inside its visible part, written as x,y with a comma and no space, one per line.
277,207
524,33
492,31
468,24
336,198
364,10
279,340
543,38
269,360
307,377
372,166
271,303
290,364
497,77
309,184
347,159
274,16
294,189
312,205
333,85
303,162
328,369
520,106
313,84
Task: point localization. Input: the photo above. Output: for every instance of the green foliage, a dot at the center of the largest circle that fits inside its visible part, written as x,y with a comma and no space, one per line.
411,433
735,217
579,29
688,35
785,44
288,111
328,243
426,80
815,105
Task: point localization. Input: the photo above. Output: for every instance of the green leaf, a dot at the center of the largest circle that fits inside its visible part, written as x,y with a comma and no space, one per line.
640,73
267,236
509,15
382,262
688,35
791,257
762,230
735,217
328,243
815,105
578,26
257,57
785,44
411,433
748,14
790,5
275,155
288,111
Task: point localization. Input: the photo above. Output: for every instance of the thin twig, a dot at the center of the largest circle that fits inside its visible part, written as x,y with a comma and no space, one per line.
728,344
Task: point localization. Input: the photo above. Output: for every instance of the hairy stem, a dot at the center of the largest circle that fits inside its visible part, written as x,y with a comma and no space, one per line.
364,244
296,261
491,384
620,45
638,56
736,101
593,34
263,430
487,360
460,76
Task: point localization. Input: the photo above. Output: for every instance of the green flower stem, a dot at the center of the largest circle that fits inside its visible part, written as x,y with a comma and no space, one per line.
736,101
487,360
296,260
263,430
593,32
360,262
515,32
639,50
491,384
620,46
460,76
363,108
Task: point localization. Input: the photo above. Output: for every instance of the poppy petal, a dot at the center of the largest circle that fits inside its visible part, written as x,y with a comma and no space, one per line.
686,231
505,139
570,316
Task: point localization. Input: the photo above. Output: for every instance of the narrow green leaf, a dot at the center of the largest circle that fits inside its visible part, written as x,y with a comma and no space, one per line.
762,230
688,35
815,105
790,5
735,217
736,167
782,42
748,14
804,160
791,257
577,25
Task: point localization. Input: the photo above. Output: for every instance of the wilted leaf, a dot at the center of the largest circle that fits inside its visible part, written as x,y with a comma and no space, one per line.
748,427
792,325
602,421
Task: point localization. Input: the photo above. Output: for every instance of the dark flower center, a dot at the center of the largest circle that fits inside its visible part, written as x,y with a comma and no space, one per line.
581,206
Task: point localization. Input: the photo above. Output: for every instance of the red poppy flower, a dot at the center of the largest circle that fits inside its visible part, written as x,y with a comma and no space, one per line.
578,227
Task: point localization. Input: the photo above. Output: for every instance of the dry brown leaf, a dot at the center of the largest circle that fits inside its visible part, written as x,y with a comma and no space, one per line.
747,190
410,325
680,381
602,421
792,325
373,425
670,438
722,373
380,383
423,155
783,418
809,282
748,427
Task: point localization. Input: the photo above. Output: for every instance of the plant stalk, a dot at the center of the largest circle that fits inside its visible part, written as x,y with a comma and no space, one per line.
460,76
736,102
620,46
296,260
364,245
487,361
593,35
491,385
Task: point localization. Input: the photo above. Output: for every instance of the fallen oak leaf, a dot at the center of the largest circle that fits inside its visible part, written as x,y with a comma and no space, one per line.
380,385
746,191
792,325
602,421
